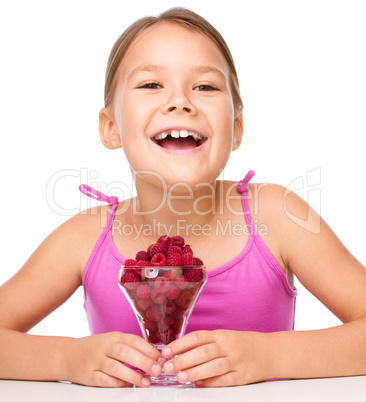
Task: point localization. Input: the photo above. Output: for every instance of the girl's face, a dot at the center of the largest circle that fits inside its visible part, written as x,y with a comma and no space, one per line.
175,79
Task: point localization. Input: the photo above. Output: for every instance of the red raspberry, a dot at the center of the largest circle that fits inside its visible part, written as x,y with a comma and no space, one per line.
150,326
154,337
179,313
170,307
130,280
144,304
165,323
187,259
144,291
143,263
174,260
197,261
184,299
173,292
193,275
157,297
166,240
177,326
162,285
177,241
130,263
173,250
142,256
158,260
187,249
154,313
181,282
156,248
167,336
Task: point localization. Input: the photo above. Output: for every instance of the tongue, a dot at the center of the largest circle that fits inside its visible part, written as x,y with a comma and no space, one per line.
178,143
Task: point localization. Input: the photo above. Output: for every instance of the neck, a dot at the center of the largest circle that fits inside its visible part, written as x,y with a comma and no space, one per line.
177,209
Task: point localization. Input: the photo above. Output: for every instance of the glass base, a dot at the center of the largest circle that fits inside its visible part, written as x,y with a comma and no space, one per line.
169,380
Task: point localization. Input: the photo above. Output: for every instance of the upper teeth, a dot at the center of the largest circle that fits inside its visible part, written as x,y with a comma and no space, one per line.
177,134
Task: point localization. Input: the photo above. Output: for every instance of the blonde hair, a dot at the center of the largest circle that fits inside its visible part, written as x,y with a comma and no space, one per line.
183,17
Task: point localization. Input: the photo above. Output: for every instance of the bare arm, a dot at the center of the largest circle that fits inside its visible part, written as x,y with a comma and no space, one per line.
48,279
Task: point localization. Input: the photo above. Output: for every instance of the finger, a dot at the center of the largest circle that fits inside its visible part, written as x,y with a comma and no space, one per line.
195,357
118,370
214,368
225,380
100,379
141,345
188,342
127,354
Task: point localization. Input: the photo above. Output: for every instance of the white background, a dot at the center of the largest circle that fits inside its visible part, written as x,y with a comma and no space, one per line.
301,66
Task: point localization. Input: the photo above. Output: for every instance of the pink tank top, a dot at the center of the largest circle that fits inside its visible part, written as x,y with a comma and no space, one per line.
248,293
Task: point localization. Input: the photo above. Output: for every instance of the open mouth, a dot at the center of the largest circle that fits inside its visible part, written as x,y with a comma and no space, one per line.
179,139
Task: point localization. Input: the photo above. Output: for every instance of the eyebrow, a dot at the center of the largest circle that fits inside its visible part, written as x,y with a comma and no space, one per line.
157,67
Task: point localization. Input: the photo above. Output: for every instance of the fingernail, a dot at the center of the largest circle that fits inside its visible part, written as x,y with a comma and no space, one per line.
145,382
168,367
161,361
167,352
182,376
155,369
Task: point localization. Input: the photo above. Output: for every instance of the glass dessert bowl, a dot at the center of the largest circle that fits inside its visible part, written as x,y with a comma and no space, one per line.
162,298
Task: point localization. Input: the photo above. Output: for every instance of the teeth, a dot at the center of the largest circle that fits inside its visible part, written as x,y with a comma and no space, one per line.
177,134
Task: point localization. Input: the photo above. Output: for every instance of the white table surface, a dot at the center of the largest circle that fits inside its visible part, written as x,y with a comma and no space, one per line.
348,389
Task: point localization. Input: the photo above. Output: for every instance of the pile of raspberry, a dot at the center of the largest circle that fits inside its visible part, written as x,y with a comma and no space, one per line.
162,296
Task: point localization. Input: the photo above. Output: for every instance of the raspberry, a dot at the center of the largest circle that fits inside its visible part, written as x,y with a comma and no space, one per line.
181,282
174,260
177,241
197,261
154,337
130,263
167,336
179,313
144,304
165,323
143,263
144,291
154,313
170,307
193,275
166,240
173,293
158,260
142,256
130,280
157,297
161,284
173,250
177,326
156,248
150,326
184,299
187,249
187,259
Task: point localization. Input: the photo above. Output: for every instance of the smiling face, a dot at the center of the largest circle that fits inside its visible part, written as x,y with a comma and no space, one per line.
172,109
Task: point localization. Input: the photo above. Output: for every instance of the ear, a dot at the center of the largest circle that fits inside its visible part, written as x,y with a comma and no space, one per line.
108,131
238,131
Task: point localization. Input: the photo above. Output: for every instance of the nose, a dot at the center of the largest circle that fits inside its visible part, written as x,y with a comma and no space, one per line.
179,102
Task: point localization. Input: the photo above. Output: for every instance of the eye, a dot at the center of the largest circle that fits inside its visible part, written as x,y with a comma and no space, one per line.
205,87
151,85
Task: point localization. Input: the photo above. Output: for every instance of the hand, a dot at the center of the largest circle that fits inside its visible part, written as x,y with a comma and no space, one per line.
218,358
100,360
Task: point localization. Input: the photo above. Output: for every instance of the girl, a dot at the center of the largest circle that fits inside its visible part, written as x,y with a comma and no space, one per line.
173,76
